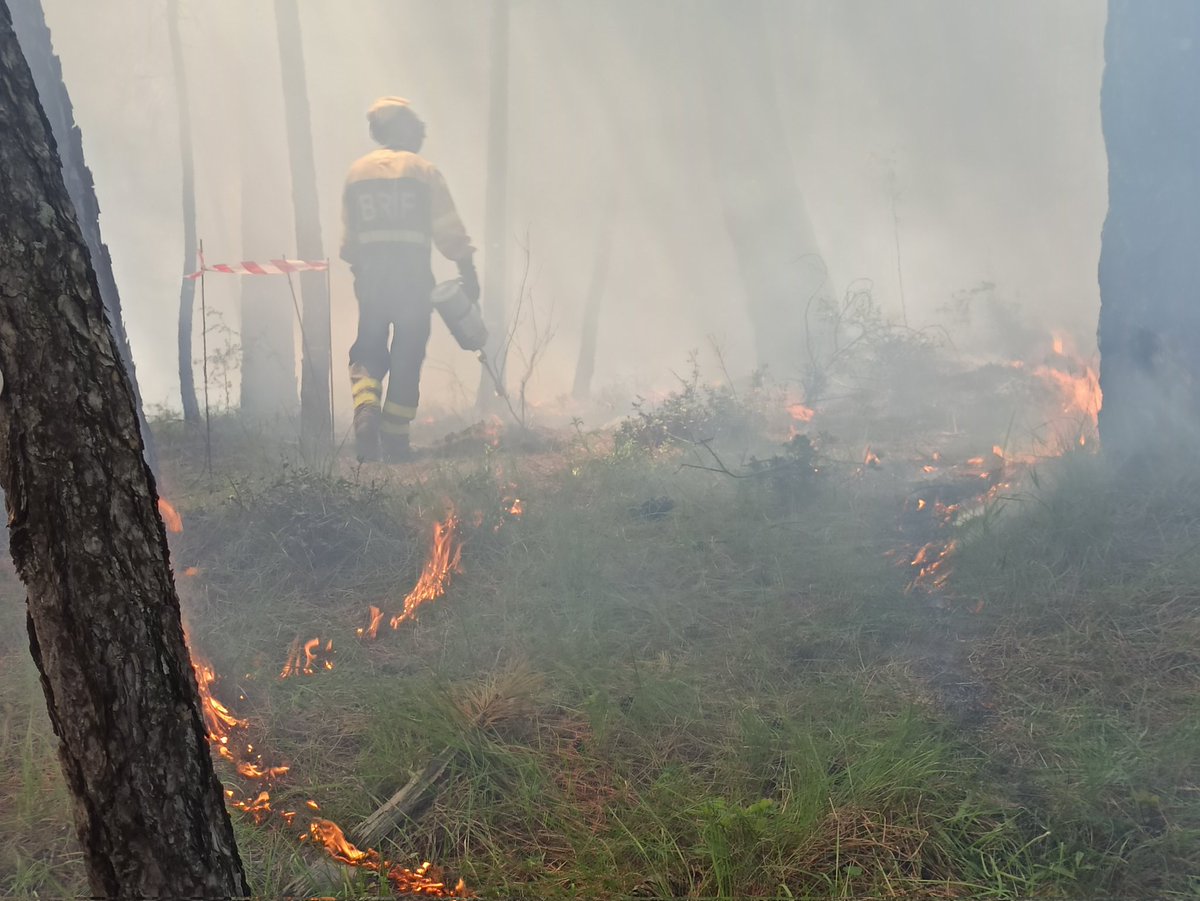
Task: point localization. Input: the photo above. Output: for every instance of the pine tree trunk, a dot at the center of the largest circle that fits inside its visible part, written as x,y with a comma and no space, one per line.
187,288
1149,265
103,616
267,313
314,370
495,228
29,23
780,264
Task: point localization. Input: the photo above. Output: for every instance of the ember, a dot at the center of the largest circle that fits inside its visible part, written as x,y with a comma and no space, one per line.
258,807
932,572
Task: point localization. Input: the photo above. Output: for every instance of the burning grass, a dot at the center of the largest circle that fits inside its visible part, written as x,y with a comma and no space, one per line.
654,681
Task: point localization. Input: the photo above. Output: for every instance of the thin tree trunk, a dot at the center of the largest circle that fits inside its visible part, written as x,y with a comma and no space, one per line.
187,288
29,23
103,616
1149,267
495,229
585,366
780,264
314,372
267,315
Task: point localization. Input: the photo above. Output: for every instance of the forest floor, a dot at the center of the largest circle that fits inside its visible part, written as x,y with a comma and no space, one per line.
668,666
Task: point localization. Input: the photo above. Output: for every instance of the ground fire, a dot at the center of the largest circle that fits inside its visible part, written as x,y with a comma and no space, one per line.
227,733
603,452
444,560
229,736
425,880
307,658
954,491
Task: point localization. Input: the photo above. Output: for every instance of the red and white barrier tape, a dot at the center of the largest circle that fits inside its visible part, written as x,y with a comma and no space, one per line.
271,267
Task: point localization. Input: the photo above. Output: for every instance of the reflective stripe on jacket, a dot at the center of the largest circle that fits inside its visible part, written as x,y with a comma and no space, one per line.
393,197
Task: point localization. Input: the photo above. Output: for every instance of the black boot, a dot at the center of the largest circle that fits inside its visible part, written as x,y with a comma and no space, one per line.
396,449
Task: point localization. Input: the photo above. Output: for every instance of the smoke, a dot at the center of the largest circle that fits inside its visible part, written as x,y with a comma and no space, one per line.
968,134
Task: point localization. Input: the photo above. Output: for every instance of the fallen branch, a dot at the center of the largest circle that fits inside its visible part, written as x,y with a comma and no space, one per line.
407,801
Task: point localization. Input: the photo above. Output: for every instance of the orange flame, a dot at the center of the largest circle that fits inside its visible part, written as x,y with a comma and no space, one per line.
801,413
1077,382
1080,390
258,807
170,516
219,722
372,628
254,771
931,562
303,658
424,880
445,559
517,508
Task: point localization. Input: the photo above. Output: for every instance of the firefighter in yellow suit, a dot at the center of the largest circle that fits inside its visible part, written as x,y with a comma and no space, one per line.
396,207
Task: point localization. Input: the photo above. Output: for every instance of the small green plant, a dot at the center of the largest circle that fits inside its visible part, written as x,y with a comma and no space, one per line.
730,838
224,363
859,351
691,414
789,478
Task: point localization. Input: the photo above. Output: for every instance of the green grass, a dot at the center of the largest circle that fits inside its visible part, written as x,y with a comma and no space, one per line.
1093,653
733,699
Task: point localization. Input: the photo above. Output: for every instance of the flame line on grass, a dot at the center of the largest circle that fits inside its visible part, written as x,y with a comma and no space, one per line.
442,564
222,726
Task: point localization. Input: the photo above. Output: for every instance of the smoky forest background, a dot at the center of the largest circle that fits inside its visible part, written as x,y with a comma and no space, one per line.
822,521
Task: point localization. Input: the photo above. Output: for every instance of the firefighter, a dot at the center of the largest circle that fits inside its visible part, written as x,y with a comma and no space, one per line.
396,206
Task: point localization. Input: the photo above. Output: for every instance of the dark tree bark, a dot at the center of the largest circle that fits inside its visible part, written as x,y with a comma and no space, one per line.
495,228
187,288
315,424
1149,261
29,22
86,539
777,253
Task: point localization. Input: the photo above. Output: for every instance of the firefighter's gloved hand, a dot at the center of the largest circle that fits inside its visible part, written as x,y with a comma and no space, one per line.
469,279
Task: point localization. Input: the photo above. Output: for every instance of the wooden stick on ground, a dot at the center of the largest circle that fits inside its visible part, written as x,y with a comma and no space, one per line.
405,803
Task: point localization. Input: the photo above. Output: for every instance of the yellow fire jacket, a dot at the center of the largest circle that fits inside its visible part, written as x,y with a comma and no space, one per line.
393,199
